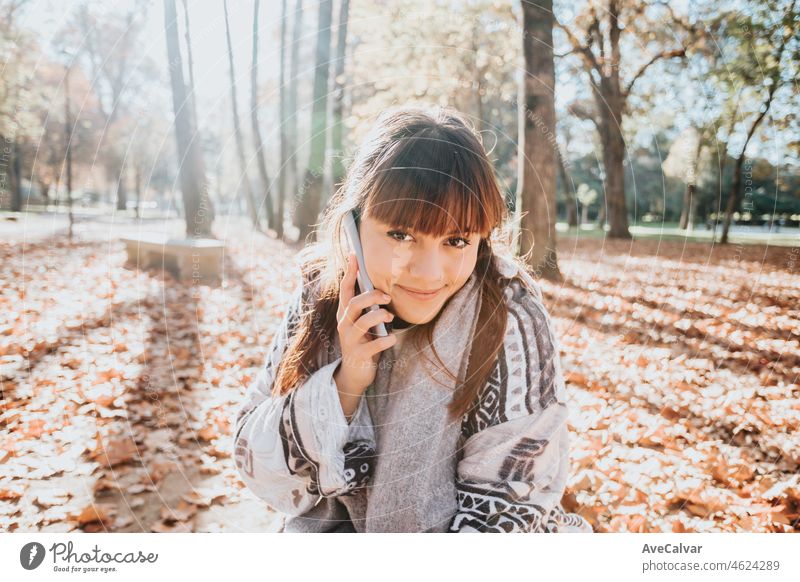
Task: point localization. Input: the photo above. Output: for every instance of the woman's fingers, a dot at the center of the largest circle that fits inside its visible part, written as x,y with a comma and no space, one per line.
361,302
365,300
353,324
352,332
359,354
378,345
364,323
347,286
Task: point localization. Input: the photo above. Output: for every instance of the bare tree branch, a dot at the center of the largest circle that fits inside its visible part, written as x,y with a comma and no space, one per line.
582,112
584,51
662,55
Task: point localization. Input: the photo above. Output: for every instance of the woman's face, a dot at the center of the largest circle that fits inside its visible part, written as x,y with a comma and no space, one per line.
400,262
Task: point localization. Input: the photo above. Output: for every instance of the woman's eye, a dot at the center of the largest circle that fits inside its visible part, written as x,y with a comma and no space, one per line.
459,242
398,235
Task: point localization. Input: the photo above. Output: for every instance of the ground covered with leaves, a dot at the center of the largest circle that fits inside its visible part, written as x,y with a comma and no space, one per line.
118,385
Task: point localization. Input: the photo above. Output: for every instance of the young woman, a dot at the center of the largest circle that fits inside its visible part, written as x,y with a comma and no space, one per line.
457,420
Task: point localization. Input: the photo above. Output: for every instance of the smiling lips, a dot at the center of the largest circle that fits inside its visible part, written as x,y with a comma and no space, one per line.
421,296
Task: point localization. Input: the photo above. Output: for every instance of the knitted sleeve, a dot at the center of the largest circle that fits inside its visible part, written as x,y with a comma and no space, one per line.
293,450
515,461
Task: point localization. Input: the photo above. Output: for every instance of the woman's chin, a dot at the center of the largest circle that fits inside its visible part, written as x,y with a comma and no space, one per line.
415,317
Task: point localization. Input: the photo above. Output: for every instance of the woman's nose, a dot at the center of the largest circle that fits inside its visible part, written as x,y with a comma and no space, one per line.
426,269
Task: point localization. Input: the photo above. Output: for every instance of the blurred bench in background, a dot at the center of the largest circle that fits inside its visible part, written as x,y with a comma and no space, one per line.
199,259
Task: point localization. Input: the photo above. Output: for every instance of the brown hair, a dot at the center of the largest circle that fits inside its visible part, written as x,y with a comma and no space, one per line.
427,171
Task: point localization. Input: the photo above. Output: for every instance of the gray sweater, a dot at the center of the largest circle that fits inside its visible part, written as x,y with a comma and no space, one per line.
502,467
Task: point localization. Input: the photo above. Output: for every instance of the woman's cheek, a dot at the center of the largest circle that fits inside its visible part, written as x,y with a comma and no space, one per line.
467,264
397,261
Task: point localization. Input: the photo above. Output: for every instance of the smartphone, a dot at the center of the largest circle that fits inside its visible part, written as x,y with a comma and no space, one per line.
364,284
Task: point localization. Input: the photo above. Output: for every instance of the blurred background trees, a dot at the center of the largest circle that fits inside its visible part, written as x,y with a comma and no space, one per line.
679,116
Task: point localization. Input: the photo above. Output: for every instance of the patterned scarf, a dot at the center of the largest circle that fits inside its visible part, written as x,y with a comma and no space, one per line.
413,485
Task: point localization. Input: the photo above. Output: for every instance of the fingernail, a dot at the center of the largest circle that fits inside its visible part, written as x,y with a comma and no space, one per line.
386,297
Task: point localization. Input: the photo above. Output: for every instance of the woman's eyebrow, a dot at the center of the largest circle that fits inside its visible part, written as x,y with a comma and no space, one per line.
454,233
451,233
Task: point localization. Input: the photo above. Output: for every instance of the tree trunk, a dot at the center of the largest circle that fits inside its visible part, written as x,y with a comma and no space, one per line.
477,82
190,63
311,195
237,130
689,199
15,178
733,197
291,113
687,218
569,195
68,152
613,162
722,163
198,210
44,187
137,184
615,169
692,211
600,221
536,193
337,149
122,193
283,170
257,141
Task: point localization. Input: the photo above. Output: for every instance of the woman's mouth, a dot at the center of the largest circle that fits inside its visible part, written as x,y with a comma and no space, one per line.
420,296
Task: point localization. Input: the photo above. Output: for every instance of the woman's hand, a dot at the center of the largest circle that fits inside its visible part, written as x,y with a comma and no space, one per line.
360,353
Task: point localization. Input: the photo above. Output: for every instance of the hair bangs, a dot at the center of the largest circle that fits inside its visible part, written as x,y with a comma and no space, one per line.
433,186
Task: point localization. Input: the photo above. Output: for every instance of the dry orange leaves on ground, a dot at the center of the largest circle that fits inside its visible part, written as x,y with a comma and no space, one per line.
681,362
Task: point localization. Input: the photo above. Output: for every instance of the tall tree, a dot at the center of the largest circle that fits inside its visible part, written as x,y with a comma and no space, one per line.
290,121
566,187
479,67
14,89
68,154
257,141
109,42
237,129
283,153
435,54
565,131
15,173
536,190
705,109
763,62
311,192
596,37
337,148
198,210
190,63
